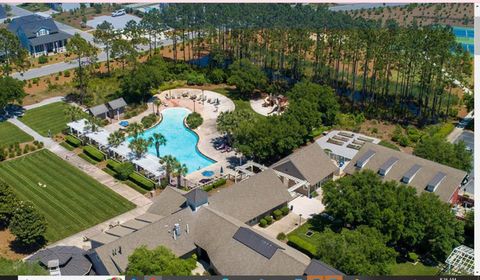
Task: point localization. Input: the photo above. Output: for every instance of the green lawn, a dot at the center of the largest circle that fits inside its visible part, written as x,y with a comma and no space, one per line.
71,201
47,117
11,134
409,269
240,102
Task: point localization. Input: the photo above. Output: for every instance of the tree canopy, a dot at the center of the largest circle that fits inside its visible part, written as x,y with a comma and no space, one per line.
28,225
438,149
159,261
8,202
361,251
246,76
12,91
417,222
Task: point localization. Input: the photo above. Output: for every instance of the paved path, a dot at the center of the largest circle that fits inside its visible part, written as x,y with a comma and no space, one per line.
457,131
93,171
44,102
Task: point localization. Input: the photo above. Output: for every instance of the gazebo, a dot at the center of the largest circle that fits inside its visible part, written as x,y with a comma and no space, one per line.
460,261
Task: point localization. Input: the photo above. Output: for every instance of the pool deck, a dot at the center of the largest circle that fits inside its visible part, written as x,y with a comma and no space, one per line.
207,132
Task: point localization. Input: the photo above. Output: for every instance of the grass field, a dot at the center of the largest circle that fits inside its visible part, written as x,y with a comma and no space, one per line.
49,117
71,201
415,270
11,134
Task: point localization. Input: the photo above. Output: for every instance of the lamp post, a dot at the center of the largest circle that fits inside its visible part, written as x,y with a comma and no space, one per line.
194,105
300,222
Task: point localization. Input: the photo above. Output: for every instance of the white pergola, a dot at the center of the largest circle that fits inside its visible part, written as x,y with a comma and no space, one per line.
100,138
79,127
460,261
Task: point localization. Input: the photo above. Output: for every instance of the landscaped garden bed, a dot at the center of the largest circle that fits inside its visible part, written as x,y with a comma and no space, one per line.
277,215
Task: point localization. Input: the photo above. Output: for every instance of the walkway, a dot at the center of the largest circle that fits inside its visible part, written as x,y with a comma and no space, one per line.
45,102
93,171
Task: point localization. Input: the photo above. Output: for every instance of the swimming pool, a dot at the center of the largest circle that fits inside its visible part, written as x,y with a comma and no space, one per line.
181,141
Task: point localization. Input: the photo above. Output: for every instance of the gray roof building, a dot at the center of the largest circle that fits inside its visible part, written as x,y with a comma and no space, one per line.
71,260
169,202
117,103
38,34
196,198
309,163
317,267
252,197
424,175
98,110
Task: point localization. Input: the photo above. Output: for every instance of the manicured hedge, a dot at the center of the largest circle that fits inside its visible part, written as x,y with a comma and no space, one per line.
263,222
142,181
302,245
277,214
285,210
214,185
94,153
112,164
73,141
269,219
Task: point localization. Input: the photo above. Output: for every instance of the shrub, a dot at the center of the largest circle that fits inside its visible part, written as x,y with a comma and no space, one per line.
277,214
389,145
263,223
94,153
124,170
194,120
196,79
149,120
208,188
285,210
66,73
302,245
73,141
269,219
112,164
219,182
216,76
281,236
413,257
142,181
42,59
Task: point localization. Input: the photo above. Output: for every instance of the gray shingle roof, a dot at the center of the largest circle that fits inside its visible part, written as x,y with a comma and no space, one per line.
98,110
404,166
309,163
253,197
117,103
317,267
167,203
72,260
60,36
30,24
212,231
196,197
134,224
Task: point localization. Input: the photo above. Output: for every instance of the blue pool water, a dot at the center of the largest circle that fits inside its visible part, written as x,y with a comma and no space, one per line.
465,33
181,141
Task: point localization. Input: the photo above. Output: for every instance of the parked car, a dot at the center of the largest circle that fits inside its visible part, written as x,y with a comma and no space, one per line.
118,13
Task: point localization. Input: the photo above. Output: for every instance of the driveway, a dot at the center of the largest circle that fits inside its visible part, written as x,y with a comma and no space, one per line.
117,22
307,207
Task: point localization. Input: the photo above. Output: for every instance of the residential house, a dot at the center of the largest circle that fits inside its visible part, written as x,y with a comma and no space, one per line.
63,260
422,174
310,164
116,108
39,35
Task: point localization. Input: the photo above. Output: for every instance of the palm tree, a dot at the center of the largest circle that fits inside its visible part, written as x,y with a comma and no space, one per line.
139,146
159,140
135,129
180,170
73,113
157,103
170,162
116,138
93,123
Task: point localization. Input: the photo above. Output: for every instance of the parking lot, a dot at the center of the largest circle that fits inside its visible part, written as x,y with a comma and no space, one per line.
118,22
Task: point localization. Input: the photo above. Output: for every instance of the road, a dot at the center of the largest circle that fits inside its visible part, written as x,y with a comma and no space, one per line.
460,134
62,66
